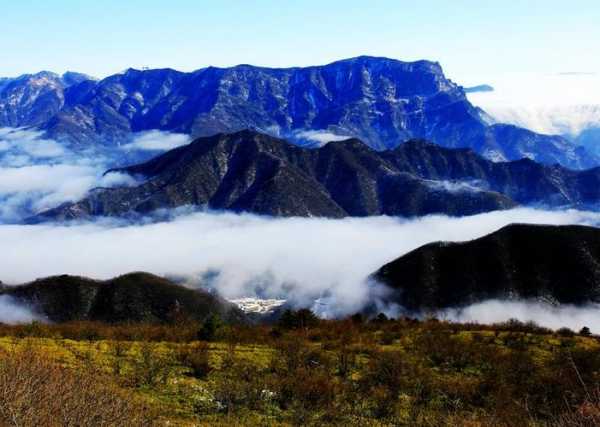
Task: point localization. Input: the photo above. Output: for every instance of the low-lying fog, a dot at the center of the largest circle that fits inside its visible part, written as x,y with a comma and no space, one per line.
297,259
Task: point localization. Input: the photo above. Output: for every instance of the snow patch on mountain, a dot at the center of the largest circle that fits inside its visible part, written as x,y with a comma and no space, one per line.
471,186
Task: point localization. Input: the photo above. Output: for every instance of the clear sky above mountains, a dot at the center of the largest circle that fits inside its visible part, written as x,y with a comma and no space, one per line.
471,39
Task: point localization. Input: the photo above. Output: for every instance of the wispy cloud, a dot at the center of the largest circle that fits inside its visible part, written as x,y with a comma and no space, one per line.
156,140
38,173
471,186
577,73
320,137
13,311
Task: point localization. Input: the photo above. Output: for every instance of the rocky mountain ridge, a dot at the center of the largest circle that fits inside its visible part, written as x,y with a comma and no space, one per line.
383,102
252,172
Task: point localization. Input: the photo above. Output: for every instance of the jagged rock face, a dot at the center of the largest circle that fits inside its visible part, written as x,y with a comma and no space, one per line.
134,297
249,171
253,172
560,264
380,100
383,102
33,100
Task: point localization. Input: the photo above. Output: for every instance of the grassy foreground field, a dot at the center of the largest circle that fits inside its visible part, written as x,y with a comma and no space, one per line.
301,372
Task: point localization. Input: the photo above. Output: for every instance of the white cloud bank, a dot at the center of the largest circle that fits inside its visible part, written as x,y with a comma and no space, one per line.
38,174
299,259
564,103
310,137
495,311
30,143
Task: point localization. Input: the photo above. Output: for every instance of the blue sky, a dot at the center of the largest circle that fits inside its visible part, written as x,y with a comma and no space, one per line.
471,39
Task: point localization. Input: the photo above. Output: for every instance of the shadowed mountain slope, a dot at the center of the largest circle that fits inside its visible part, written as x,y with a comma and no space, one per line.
252,172
249,171
559,264
134,297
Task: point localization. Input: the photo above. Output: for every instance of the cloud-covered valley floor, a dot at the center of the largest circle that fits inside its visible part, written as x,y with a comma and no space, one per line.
299,259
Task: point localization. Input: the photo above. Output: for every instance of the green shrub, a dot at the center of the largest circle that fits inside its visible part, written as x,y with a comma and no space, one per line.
565,332
210,328
196,358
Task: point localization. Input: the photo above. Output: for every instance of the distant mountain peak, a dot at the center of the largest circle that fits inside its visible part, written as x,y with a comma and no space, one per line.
381,101
365,59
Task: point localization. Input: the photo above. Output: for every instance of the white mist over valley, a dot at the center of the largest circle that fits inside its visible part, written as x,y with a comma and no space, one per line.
256,261
261,262
301,260
300,213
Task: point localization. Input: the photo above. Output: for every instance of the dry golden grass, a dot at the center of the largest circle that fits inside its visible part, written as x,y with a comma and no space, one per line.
331,373
36,391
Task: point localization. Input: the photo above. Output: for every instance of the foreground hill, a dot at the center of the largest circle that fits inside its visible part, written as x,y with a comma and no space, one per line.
560,264
382,101
253,172
135,297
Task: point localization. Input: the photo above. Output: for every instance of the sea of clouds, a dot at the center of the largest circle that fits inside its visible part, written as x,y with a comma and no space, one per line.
320,263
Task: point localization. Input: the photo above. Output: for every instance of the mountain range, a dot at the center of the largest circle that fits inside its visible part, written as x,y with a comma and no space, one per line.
556,264
383,102
253,172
